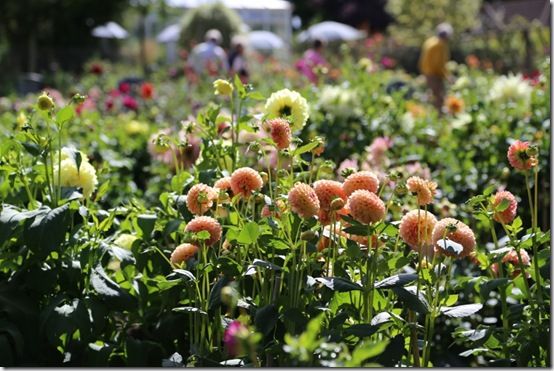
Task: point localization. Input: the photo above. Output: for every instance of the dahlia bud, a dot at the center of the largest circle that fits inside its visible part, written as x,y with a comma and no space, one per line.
308,235
401,190
259,198
44,102
264,176
282,173
505,173
532,151
318,150
424,264
347,172
451,228
223,197
337,204
254,147
221,212
395,175
78,98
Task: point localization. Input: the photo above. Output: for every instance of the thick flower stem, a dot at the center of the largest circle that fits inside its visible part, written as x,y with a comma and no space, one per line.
504,305
534,223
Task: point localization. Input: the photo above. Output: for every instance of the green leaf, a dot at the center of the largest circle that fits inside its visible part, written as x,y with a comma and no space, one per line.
338,284
215,295
11,330
190,310
362,330
415,302
146,223
266,318
489,190
249,234
110,291
366,350
394,352
181,274
255,95
123,255
47,231
450,246
486,287
240,87
461,310
475,351
359,230
10,218
396,281
306,148
452,299
65,114
260,263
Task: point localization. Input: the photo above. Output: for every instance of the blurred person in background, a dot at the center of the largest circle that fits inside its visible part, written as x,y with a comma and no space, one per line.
311,60
209,57
237,60
432,62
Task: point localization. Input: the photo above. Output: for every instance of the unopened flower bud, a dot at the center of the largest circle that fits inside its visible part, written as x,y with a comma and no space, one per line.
254,147
505,173
337,204
264,176
44,102
308,235
282,173
451,228
221,212
223,197
347,172
395,175
78,98
401,190
425,264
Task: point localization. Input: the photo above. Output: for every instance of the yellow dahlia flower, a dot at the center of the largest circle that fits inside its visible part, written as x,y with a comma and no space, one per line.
84,177
290,105
223,87
136,127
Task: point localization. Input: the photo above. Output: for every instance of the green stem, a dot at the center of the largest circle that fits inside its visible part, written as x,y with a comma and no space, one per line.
504,305
59,189
534,224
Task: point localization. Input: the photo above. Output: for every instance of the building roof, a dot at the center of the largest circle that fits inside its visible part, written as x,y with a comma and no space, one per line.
233,4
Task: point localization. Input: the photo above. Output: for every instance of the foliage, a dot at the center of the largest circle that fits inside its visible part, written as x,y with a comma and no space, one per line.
415,21
109,280
197,21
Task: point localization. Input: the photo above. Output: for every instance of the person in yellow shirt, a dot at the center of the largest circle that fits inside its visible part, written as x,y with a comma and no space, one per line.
432,62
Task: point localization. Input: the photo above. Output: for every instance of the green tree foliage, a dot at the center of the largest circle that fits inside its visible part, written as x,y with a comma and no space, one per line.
38,34
416,20
197,21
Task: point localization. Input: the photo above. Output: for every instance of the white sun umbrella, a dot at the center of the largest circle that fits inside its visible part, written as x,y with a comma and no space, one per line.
264,40
110,30
169,34
330,31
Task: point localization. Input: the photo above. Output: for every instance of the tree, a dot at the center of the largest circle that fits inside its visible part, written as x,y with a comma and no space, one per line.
41,32
369,14
417,20
199,20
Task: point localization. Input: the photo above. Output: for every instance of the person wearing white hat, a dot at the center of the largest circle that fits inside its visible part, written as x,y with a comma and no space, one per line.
209,57
432,62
